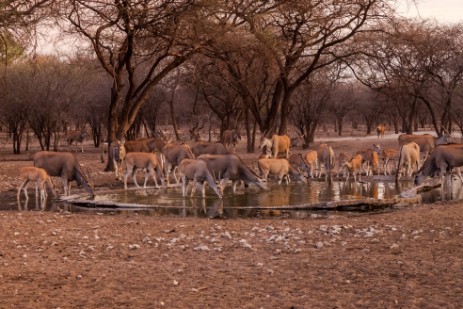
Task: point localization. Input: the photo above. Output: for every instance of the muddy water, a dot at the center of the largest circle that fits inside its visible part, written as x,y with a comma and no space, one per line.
280,201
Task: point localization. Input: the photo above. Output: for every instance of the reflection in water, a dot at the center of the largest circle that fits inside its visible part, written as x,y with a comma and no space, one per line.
251,202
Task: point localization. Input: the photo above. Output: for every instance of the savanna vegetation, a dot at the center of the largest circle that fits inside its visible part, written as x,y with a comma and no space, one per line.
265,67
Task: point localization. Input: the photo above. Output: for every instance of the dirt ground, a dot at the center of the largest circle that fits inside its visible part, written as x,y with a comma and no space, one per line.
409,258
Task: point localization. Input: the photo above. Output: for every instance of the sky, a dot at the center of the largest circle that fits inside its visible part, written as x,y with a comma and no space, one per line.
444,11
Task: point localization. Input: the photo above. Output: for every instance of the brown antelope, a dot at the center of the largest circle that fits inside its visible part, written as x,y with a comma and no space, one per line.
354,166
231,167
77,136
197,171
325,155
380,130
200,148
426,142
311,157
409,156
118,154
231,137
173,155
278,144
442,161
40,177
194,132
279,167
341,160
388,154
64,165
299,163
142,160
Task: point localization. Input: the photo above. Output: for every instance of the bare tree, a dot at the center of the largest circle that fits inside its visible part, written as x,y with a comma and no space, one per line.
138,44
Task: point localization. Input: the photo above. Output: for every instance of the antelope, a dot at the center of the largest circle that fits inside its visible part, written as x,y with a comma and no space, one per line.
280,167
230,167
118,154
64,165
441,161
388,154
40,177
426,142
325,155
409,156
380,129
370,157
354,166
173,155
200,148
341,160
278,144
298,161
194,132
311,157
231,137
77,136
142,160
196,170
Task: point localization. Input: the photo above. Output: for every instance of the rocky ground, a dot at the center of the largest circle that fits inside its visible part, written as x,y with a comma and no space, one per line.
407,258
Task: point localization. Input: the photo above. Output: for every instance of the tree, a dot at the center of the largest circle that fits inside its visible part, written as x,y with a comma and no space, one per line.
138,43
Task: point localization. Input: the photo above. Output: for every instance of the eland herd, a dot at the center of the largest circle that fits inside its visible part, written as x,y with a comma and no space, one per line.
216,163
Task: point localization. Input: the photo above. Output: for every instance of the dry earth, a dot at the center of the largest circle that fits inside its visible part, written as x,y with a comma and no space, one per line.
410,258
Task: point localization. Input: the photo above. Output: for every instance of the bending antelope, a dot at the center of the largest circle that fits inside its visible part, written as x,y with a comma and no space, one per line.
40,177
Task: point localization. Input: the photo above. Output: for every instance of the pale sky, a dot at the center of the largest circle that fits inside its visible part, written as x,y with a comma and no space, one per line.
444,11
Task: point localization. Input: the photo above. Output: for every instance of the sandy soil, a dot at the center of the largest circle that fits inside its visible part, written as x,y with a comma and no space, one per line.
410,258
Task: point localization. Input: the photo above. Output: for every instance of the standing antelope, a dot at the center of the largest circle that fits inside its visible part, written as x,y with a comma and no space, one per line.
278,144
409,156
311,157
77,136
388,154
142,160
231,137
426,142
380,129
40,177
173,155
325,155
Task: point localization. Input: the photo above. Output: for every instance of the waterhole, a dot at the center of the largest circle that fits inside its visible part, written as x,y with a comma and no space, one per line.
294,200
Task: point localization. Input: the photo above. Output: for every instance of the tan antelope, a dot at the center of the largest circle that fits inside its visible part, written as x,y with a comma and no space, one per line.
311,157
173,155
388,155
380,130
354,166
231,167
426,142
40,177
196,171
142,160
120,148
409,157
441,162
77,136
371,160
231,138
279,167
278,144
64,165
325,155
